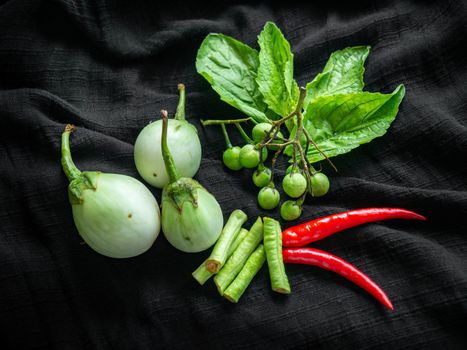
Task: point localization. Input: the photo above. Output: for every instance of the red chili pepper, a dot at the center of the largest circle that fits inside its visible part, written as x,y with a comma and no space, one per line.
317,229
327,261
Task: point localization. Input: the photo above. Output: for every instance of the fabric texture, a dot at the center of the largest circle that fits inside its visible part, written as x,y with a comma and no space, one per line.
109,67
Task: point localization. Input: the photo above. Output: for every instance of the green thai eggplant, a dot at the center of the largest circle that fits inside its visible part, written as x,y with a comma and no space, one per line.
191,217
183,142
116,215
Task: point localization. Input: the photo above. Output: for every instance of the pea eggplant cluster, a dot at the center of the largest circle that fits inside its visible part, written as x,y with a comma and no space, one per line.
301,177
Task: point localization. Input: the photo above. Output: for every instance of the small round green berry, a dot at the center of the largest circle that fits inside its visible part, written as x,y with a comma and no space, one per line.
268,198
249,156
290,210
294,184
319,185
231,158
262,177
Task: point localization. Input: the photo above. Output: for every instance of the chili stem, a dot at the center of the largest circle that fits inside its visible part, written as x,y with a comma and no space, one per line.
273,246
327,261
219,253
238,258
254,263
69,168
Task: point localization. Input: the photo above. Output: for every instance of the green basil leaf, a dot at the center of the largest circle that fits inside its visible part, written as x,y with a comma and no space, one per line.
340,123
342,74
231,68
275,73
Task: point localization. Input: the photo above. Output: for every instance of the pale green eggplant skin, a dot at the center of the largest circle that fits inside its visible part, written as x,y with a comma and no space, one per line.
117,216
192,218
184,145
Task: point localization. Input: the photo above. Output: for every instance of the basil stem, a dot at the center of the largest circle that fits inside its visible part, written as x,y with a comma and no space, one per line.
254,263
273,246
219,253
238,258
201,274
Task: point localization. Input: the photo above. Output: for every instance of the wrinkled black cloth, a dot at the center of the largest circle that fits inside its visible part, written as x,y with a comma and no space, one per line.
109,67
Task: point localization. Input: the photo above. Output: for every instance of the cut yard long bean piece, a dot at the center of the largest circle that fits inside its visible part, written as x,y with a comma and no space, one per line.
254,263
201,274
219,253
238,258
273,245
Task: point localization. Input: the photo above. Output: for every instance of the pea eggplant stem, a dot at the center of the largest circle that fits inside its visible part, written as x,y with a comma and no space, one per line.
327,261
201,274
168,160
69,167
219,253
238,258
320,228
273,245
254,263
245,137
224,121
228,144
180,113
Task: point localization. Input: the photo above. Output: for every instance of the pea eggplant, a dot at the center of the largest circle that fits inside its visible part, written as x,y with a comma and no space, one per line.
116,215
191,217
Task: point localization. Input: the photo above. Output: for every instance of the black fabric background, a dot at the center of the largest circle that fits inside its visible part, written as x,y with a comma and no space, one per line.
110,66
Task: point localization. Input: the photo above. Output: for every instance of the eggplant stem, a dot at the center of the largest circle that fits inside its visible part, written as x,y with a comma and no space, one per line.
69,168
180,113
168,160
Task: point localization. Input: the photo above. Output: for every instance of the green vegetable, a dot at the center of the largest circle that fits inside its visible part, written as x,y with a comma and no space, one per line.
268,197
331,116
340,123
116,215
342,74
275,72
201,274
191,217
260,132
254,263
238,258
291,210
231,68
231,158
262,176
183,142
273,247
294,184
219,253
250,156
319,185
